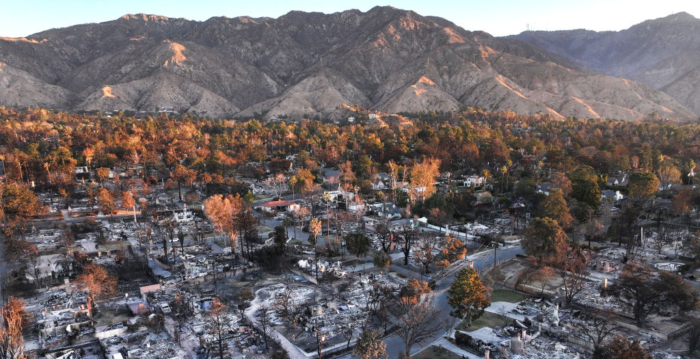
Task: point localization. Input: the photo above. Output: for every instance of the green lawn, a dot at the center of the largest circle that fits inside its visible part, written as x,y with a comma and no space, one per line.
486,320
434,352
506,295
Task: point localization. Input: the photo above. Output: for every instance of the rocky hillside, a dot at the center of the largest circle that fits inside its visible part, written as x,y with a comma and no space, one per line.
662,53
307,64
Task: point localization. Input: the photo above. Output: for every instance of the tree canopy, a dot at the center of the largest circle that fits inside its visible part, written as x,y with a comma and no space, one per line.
544,238
467,295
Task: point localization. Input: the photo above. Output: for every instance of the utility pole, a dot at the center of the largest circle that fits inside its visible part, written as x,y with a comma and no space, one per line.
495,247
319,339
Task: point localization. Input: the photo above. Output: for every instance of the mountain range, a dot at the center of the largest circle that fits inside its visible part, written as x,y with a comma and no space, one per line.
310,64
662,53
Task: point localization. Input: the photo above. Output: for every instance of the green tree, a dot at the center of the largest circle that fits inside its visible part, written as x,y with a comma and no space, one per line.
668,173
544,239
105,201
303,180
621,348
182,175
467,296
584,186
370,346
102,174
280,236
644,293
357,244
381,260
128,201
643,184
18,202
554,207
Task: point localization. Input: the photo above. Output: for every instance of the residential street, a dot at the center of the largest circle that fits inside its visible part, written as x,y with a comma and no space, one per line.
482,260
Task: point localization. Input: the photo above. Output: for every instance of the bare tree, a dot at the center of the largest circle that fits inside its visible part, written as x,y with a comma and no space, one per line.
386,238
571,267
427,250
597,328
349,333
33,263
278,183
418,324
181,311
383,316
218,320
286,305
265,323
409,234
503,313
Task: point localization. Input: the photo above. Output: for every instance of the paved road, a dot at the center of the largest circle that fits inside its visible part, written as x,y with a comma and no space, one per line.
482,261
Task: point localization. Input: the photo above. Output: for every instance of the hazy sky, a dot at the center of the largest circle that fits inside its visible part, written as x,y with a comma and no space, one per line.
498,17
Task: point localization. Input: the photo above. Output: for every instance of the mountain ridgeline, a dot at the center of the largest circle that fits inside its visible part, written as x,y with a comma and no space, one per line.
662,53
310,64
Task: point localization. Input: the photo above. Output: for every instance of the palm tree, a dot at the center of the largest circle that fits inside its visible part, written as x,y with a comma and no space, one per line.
315,228
486,174
327,198
292,182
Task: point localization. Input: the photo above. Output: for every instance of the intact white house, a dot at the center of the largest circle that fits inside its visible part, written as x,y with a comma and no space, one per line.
477,181
280,206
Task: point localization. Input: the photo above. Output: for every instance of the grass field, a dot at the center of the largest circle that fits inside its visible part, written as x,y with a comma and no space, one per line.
486,320
505,295
433,352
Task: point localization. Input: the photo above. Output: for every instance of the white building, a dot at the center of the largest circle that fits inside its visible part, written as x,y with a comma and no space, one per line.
477,181
280,206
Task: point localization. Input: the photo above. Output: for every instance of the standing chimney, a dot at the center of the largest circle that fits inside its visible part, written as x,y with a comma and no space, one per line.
605,283
486,354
